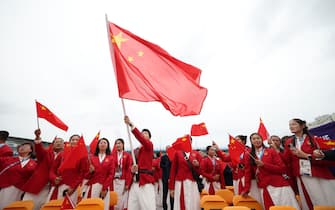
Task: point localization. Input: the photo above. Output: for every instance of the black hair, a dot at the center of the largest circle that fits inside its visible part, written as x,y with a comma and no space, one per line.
147,130
73,136
253,149
108,150
304,131
208,147
4,135
243,138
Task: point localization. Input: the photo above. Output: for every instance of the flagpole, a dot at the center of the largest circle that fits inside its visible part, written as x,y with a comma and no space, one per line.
38,122
129,136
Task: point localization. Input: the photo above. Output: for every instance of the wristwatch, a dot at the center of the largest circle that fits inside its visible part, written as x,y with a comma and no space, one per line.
309,157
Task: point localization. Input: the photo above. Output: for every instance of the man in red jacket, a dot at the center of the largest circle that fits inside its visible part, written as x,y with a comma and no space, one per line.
37,187
142,193
5,150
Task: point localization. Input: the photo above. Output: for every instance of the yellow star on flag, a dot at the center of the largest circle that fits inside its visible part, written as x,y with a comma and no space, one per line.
118,39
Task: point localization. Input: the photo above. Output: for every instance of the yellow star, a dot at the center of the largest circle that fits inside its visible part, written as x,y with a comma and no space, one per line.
140,53
130,59
118,39
43,108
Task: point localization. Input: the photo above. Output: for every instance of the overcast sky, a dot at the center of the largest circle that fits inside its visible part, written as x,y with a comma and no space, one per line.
265,58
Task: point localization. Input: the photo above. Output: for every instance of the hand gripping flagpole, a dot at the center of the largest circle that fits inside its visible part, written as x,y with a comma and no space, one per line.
129,136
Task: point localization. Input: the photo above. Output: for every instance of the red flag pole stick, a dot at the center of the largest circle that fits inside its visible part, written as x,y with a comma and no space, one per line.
129,136
38,122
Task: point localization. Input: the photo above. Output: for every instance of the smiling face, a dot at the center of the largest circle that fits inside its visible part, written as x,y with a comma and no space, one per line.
74,140
58,144
146,134
24,149
256,140
211,151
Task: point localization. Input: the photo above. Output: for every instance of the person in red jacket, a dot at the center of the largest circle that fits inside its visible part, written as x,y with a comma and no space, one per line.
142,193
5,150
182,184
100,173
315,181
122,176
211,168
14,172
67,180
268,168
37,186
158,181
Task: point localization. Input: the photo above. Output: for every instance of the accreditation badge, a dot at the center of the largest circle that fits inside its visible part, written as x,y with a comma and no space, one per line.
305,167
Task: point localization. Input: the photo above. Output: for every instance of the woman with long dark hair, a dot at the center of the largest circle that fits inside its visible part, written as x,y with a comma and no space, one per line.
100,173
121,174
268,168
310,175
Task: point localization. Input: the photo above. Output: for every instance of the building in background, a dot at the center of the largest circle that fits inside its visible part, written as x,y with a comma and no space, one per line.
323,126
13,142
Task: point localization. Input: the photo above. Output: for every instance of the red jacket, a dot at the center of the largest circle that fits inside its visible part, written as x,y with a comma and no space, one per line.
71,177
208,170
40,177
103,172
271,173
157,169
319,168
180,169
15,175
5,151
126,163
145,156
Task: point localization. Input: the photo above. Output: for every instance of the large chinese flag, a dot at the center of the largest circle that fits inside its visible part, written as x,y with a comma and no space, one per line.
45,113
199,129
183,144
262,131
73,154
146,72
235,149
94,143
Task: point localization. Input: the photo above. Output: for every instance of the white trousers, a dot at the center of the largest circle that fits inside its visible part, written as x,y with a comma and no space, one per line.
159,194
282,196
38,199
9,195
321,191
95,193
191,195
141,197
122,194
61,188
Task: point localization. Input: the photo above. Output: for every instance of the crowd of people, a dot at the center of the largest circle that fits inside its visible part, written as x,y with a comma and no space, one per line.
291,171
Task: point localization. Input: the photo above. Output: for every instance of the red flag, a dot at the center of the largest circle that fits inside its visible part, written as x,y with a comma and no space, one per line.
325,144
94,143
73,154
235,149
45,113
146,72
170,152
262,130
199,129
183,143
67,203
